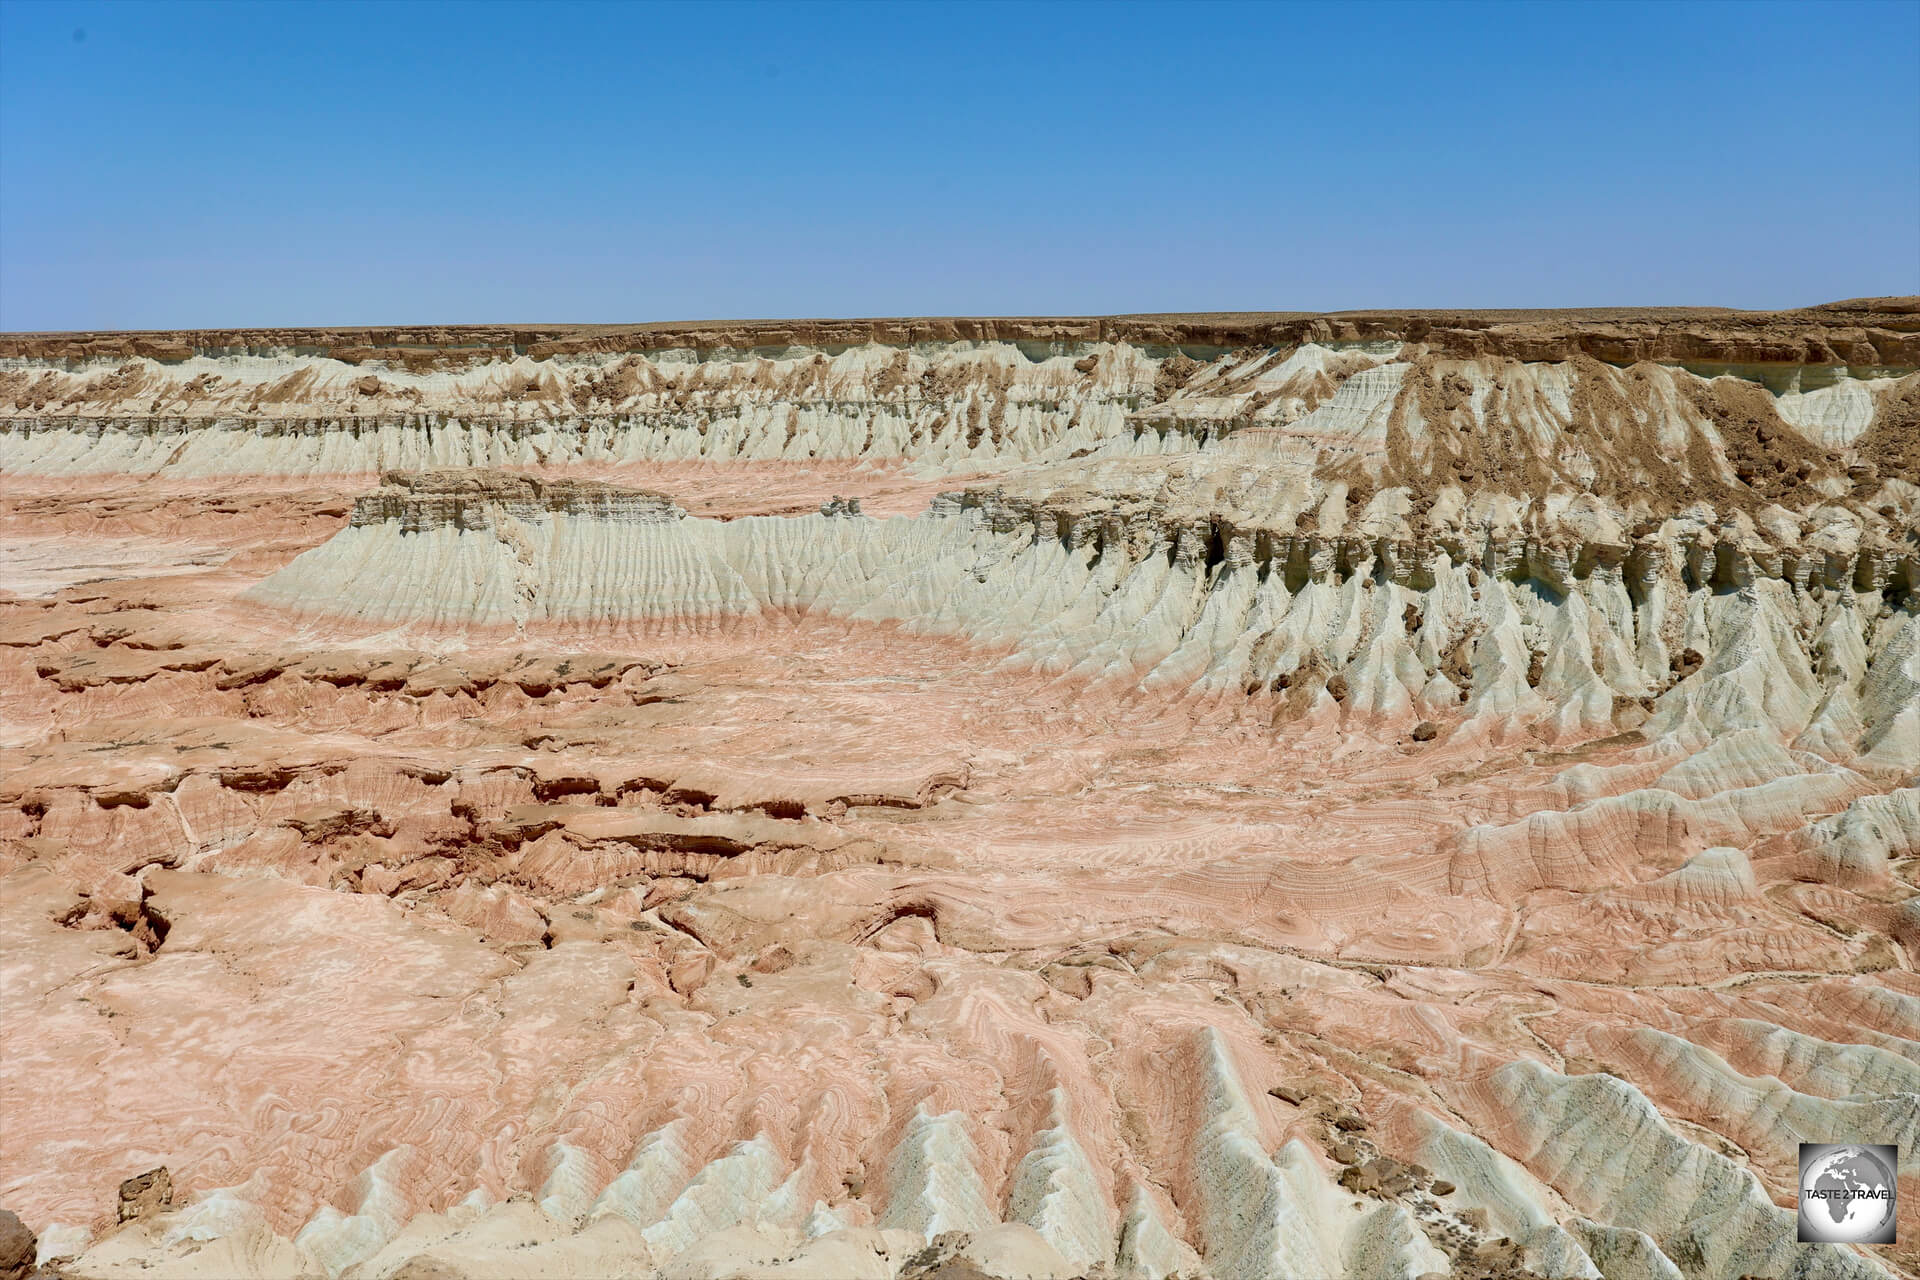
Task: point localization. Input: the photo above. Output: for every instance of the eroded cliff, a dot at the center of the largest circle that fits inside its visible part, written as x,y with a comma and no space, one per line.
1370,795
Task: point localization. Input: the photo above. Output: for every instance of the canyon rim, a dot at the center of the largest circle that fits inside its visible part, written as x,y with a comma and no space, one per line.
1371,795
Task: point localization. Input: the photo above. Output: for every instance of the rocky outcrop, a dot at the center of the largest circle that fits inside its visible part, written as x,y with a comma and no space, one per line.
16,1247
1368,796
1858,331
1692,629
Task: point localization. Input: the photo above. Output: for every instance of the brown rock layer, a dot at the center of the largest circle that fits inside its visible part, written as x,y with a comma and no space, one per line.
1865,331
1443,806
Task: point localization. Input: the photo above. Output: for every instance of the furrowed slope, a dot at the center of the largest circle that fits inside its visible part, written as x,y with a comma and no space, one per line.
1374,795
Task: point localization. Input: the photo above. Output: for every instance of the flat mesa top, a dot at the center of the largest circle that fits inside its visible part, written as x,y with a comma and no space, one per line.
1225,328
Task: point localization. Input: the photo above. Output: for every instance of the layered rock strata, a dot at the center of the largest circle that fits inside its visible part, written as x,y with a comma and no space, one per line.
1369,796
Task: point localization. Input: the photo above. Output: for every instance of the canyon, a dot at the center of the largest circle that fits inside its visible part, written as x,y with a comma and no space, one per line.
1374,795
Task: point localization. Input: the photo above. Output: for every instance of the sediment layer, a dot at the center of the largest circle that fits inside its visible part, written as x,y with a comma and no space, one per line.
1348,796
1867,331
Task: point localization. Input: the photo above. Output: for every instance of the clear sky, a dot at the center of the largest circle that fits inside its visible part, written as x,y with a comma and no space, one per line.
194,165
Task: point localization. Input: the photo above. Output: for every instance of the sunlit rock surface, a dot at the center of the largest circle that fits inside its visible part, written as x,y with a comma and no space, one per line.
1354,796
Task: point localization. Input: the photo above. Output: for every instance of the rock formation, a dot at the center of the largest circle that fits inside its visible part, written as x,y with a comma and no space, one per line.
1372,796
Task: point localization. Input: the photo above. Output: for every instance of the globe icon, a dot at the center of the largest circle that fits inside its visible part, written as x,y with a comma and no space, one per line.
1847,1194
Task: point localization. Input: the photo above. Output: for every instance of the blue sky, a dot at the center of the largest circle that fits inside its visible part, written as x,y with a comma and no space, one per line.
193,165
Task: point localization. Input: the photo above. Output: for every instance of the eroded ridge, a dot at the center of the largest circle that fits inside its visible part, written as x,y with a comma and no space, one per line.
1241,797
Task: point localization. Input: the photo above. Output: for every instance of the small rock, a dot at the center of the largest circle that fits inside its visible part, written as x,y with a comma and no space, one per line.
1475,1218
1395,1178
775,959
1501,1252
329,821
17,1247
118,897
1347,1122
1382,1175
1288,1094
690,972
1441,1187
1357,1178
1069,979
146,1195
1426,731
666,889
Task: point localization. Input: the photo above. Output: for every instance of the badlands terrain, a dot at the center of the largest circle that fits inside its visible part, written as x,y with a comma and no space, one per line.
1371,795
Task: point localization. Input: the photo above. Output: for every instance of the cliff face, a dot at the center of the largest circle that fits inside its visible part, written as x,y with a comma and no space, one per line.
1861,331
1366,795
1756,408
1388,619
